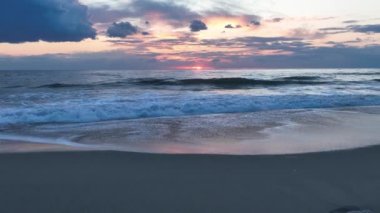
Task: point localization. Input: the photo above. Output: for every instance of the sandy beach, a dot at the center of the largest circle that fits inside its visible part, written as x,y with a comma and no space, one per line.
291,163
213,106
129,182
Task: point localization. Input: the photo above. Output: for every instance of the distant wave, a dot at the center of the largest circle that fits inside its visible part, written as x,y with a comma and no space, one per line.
61,85
216,82
227,83
233,82
359,73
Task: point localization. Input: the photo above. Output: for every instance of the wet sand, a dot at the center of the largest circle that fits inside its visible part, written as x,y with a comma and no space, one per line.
256,133
26,147
106,181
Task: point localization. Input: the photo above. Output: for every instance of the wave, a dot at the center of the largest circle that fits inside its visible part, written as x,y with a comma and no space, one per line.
359,73
88,110
216,82
89,85
62,85
233,82
223,83
41,140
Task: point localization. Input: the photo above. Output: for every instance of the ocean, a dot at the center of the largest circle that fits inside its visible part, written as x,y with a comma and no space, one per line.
73,106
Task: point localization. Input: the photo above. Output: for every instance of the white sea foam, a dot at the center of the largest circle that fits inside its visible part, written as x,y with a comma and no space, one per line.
117,108
90,96
41,140
267,132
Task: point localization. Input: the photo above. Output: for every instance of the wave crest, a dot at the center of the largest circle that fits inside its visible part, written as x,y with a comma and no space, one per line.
213,82
132,108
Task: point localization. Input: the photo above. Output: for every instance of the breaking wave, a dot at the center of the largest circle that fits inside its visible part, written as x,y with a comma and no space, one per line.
88,110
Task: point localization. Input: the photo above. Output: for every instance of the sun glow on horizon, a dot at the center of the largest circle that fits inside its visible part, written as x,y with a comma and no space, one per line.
194,68
198,68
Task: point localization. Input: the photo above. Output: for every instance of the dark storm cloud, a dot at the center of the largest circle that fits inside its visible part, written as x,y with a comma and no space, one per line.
197,25
121,30
47,20
175,14
169,10
371,28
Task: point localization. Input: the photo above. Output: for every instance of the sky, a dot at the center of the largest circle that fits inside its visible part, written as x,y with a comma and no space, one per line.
189,34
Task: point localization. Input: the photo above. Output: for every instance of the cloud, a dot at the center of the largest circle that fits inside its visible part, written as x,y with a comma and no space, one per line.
167,10
171,12
255,20
303,56
332,29
371,28
121,30
253,44
47,20
249,40
344,43
350,21
307,34
228,26
100,60
318,57
174,13
197,25
276,20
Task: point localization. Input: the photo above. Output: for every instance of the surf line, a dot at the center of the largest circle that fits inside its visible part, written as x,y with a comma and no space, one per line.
41,140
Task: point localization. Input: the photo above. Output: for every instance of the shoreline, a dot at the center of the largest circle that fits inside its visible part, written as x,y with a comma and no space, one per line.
60,179
260,133
112,181
57,149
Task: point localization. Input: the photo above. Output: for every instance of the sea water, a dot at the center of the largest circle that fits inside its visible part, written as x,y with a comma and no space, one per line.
34,102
